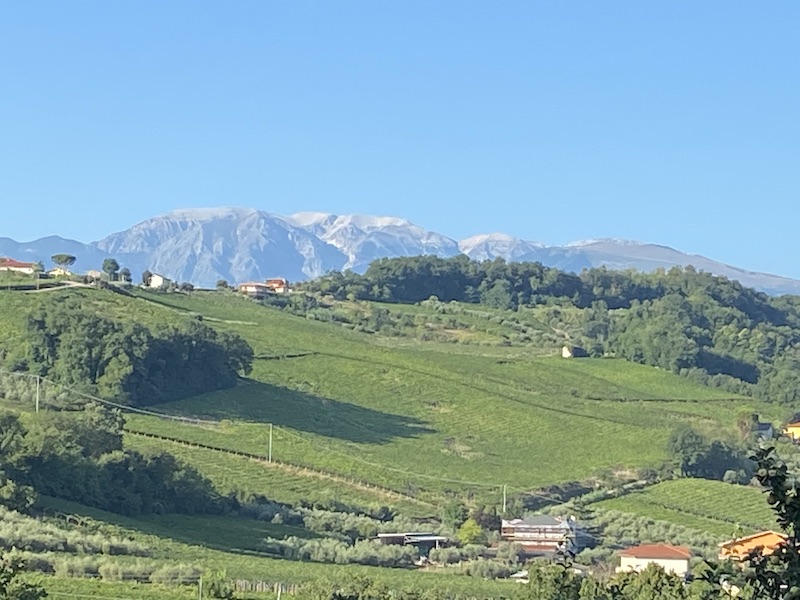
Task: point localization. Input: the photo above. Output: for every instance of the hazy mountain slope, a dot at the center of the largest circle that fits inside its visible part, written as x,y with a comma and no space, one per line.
624,254
237,244
87,255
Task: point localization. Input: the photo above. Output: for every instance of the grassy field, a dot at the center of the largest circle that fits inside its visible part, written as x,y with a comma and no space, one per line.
421,418
713,506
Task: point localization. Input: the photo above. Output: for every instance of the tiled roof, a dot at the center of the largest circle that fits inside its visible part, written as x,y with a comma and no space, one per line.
10,262
658,551
754,538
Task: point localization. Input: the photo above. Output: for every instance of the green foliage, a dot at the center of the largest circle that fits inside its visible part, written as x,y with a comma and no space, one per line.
470,532
78,456
11,587
552,582
110,268
63,260
127,361
696,457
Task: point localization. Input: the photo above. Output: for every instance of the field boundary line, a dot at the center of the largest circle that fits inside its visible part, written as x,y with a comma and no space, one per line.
296,469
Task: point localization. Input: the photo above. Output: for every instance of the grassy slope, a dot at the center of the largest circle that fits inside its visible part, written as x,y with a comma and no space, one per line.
712,506
423,421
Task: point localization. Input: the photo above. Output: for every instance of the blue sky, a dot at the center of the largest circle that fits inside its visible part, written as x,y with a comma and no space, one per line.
672,122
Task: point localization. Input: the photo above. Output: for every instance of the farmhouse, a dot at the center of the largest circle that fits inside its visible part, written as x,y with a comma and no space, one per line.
278,285
59,272
9,264
254,289
673,559
739,548
156,281
540,533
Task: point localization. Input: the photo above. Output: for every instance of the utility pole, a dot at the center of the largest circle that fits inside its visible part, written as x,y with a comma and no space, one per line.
200,588
38,389
269,456
504,498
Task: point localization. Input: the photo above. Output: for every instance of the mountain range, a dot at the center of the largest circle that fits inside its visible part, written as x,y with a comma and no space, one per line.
204,245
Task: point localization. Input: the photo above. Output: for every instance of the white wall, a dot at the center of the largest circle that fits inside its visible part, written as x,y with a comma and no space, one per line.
631,563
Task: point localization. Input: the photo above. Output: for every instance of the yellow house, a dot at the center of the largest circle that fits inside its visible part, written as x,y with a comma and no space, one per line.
739,548
792,429
59,272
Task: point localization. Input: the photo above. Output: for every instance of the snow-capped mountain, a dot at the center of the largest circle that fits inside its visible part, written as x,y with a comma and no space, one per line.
365,238
488,246
237,244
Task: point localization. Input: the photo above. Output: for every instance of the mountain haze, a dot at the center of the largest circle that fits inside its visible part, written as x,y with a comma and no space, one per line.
207,244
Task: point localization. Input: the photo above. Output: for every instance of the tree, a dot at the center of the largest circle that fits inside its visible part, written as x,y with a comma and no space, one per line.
125,275
11,588
65,261
147,277
222,284
110,268
777,576
186,287
686,447
38,269
470,532
454,513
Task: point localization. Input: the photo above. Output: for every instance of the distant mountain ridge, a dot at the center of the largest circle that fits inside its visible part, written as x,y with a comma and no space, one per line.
204,245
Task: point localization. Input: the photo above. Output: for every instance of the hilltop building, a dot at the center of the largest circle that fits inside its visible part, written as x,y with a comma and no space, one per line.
254,289
278,285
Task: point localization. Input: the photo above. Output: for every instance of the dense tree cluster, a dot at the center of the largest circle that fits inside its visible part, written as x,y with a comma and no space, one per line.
709,328
127,361
78,456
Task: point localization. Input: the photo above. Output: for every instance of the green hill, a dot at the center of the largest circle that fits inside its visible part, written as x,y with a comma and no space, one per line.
420,418
367,417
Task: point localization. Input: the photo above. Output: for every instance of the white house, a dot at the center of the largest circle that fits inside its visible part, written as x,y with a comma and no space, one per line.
673,559
156,281
9,264
254,289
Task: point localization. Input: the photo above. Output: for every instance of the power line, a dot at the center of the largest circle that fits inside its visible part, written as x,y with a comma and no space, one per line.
191,421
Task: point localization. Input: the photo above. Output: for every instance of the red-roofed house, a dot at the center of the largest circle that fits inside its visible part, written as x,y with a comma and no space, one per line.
278,285
673,559
9,264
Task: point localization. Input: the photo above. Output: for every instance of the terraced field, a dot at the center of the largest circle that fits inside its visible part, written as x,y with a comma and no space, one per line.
713,506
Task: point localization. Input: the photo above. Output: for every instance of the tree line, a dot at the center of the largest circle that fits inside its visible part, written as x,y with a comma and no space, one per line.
707,327
126,361
79,456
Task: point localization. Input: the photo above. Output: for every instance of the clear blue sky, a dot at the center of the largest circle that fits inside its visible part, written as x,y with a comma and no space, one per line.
670,122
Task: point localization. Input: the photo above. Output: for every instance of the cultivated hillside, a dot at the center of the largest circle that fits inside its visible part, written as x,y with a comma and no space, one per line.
421,417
